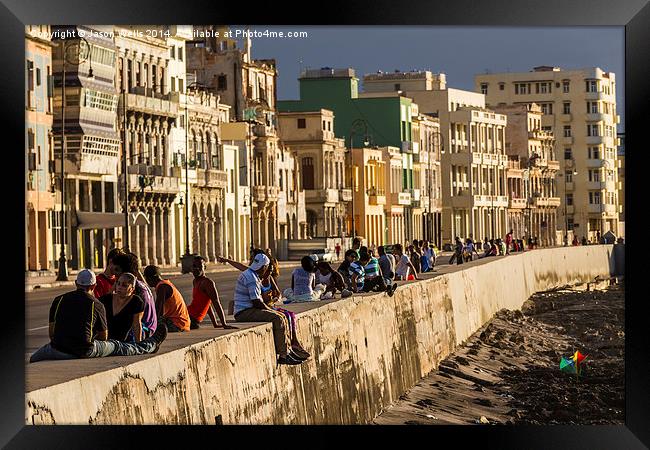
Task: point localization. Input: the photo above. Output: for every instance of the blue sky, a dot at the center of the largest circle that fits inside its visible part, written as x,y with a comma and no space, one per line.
460,52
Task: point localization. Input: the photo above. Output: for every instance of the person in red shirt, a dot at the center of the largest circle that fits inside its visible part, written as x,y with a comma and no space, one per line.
106,279
205,298
508,242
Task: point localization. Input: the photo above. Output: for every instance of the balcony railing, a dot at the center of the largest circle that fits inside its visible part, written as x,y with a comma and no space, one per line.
517,203
346,195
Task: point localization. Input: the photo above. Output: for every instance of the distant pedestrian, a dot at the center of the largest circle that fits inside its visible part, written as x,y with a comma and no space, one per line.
508,242
458,252
337,248
416,258
575,241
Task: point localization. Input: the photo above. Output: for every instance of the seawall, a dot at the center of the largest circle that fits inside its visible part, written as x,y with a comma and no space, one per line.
366,351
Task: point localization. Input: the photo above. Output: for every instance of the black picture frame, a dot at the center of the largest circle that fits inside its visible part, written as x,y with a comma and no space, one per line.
634,15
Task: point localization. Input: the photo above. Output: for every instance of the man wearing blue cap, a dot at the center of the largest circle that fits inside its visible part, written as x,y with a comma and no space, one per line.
78,327
249,307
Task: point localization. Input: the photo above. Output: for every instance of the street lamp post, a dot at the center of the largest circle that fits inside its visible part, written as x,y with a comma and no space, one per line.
75,53
357,124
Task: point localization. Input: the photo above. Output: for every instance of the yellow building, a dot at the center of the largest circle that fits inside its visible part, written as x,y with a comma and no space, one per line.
321,157
369,194
396,198
535,152
473,166
579,107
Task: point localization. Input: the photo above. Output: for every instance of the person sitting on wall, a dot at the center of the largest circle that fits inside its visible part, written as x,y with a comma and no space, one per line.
356,245
205,298
78,327
250,307
344,268
403,264
303,282
170,305
372,278
124,310
332,279
106,279
130,263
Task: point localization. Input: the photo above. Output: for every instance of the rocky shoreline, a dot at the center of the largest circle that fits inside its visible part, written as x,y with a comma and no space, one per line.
508,371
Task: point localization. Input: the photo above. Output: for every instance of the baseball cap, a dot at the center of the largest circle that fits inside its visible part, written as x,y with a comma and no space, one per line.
86,277
260,261
314,257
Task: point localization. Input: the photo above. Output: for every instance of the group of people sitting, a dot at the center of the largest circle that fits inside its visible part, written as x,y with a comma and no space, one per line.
465,249
114,313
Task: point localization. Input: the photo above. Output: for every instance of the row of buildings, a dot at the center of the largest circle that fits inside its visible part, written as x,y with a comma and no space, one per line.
177,144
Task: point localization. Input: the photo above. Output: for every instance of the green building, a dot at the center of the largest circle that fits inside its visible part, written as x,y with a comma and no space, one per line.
386,116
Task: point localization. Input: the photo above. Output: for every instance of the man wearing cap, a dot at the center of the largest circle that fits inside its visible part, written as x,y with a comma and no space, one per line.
78,327
249,307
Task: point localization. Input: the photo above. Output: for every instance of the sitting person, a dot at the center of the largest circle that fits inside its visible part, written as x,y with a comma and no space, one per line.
170,305
331,279
357,273
107,278
386,264
250,307
78,327
372,278
130,263
205,298
403,264
344,268
270,295
124,310
303,282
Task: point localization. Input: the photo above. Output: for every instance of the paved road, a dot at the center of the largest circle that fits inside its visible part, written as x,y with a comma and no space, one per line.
39,301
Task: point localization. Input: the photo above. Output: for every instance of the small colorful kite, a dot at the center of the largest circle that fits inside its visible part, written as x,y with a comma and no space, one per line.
572,365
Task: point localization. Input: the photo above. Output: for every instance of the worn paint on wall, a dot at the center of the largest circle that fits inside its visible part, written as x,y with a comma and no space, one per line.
366,352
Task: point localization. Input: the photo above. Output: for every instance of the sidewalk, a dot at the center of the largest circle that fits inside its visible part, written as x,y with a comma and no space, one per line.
48,280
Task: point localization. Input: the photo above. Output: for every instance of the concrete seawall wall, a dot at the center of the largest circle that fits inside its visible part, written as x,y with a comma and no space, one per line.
366,352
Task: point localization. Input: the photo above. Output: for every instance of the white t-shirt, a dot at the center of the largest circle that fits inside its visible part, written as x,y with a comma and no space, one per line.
323,279
403,268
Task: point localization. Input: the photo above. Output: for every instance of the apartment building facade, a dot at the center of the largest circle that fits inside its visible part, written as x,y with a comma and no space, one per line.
40,176
369,194
473,166
321,157
579,107
534,150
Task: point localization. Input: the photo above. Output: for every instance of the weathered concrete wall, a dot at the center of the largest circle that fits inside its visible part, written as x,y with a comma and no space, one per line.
366,352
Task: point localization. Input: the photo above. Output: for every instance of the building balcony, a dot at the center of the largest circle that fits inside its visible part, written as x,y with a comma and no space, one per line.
161,105
212,178
261,130
401,198
376,196
322,195
595,185
554,202
553,165
595,140
179,172
153,183
594,163
595,117
566,117
567,140
517,203
595,95
265,193
346,195
602,209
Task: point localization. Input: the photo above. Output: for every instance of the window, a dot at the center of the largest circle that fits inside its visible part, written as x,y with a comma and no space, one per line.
180,85
569,223
173,82
522,88
547,108
180,53
567,130
398,87
324,125
568,154
30,139
222,84
594,175
594,153
593,130
566,108
547,128
591,85
307,168
30,75
592,107
568,177
172,52
543,88
484,88
329,126
302,123
502,86
38,76
569,199
594,198
565,86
